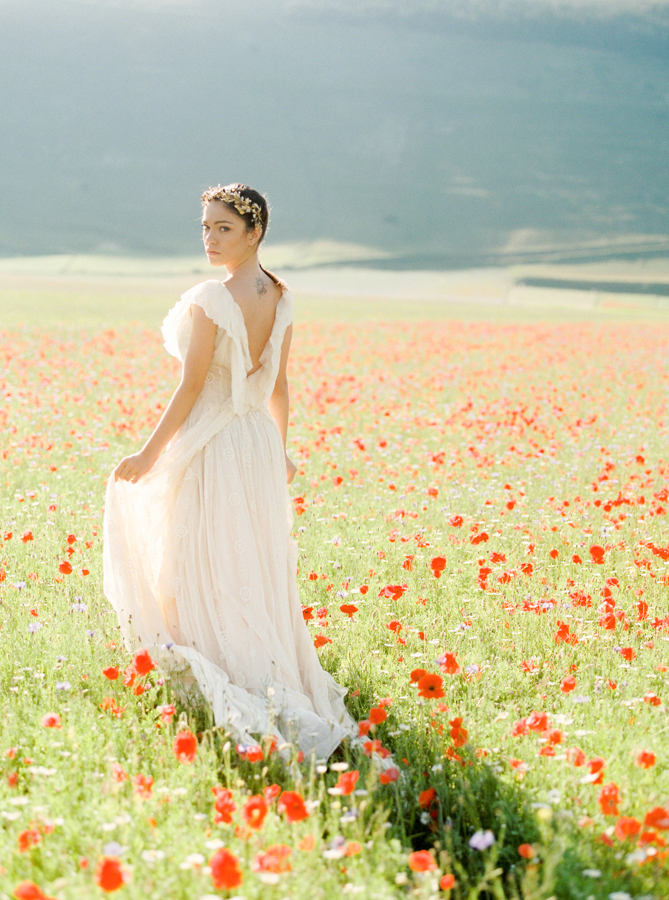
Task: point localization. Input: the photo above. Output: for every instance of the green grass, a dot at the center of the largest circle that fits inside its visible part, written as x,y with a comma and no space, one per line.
426,410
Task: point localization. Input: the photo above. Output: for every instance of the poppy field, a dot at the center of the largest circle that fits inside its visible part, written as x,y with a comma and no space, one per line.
481,510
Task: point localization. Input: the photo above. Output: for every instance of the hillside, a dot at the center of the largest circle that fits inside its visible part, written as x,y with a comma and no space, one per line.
494,134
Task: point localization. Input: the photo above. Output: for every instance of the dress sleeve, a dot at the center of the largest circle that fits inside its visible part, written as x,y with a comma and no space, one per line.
212,297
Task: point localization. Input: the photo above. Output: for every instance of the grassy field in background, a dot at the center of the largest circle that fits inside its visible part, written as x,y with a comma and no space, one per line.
480,506
106,291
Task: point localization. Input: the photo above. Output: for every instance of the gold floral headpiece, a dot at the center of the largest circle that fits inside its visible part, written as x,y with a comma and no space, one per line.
242,204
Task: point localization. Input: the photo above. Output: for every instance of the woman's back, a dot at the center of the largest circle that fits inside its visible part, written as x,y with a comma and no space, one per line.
258,304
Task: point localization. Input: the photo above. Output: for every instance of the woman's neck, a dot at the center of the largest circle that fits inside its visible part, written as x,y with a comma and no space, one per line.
248,267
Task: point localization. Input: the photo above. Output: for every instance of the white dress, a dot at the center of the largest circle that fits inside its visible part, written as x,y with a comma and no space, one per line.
199,562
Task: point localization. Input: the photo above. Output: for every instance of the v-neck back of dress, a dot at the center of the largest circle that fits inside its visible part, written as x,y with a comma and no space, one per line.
245,331
231,376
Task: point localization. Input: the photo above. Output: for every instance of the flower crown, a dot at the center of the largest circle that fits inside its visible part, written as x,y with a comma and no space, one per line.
242,204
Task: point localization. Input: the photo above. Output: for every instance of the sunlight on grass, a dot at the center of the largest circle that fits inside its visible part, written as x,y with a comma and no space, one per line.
480,508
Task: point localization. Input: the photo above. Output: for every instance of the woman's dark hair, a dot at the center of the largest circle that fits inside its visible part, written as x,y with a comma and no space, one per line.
257,212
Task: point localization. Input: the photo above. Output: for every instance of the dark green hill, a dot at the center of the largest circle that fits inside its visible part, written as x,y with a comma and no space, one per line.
491,133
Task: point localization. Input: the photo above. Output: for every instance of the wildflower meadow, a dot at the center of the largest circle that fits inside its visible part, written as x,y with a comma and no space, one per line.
481,510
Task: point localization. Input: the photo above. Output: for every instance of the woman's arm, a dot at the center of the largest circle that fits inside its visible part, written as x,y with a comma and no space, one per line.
279,402
195,368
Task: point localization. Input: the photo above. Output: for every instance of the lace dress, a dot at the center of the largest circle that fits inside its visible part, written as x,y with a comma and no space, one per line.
199,562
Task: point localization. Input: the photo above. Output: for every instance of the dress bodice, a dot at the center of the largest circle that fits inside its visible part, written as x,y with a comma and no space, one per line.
231,362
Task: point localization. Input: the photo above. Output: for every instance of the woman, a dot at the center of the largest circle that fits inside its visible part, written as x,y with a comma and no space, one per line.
199,563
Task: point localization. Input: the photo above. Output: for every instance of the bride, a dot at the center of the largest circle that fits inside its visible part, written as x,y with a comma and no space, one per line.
199,562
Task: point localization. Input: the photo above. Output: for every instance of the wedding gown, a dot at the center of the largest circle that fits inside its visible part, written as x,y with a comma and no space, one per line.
199,562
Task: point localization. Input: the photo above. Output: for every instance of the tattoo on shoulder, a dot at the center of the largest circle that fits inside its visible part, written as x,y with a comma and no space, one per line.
261,287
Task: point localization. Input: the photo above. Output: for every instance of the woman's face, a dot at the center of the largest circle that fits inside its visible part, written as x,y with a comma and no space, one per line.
225,235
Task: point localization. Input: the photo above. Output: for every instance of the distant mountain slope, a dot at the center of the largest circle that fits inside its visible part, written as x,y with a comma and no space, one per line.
443,134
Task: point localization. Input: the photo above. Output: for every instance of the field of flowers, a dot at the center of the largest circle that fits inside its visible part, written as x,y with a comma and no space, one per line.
481,510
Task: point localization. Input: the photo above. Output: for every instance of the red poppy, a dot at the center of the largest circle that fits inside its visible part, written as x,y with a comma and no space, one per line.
254,811
527,851
426,797
292,806
646,759
119,772
51,720
346,782
167,712
142,662
224,805
548,750
28,839
109,703
422,861
609,798
184,746
597,554
438,564
377,715
447,881
226,871
657,818
392,773
320,640
538,721
375,748
109,875
65,568
142,786
28,890
111,672
251,753
597,766
568,684
274,859
520,728
553,736
393,591
627,827
456,521
417,674
431,686
307,843
348,609
271,792
628,653
448,663
459,734
563,634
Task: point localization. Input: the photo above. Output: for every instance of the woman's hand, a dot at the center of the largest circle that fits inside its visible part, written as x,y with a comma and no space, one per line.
132,468
291,468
